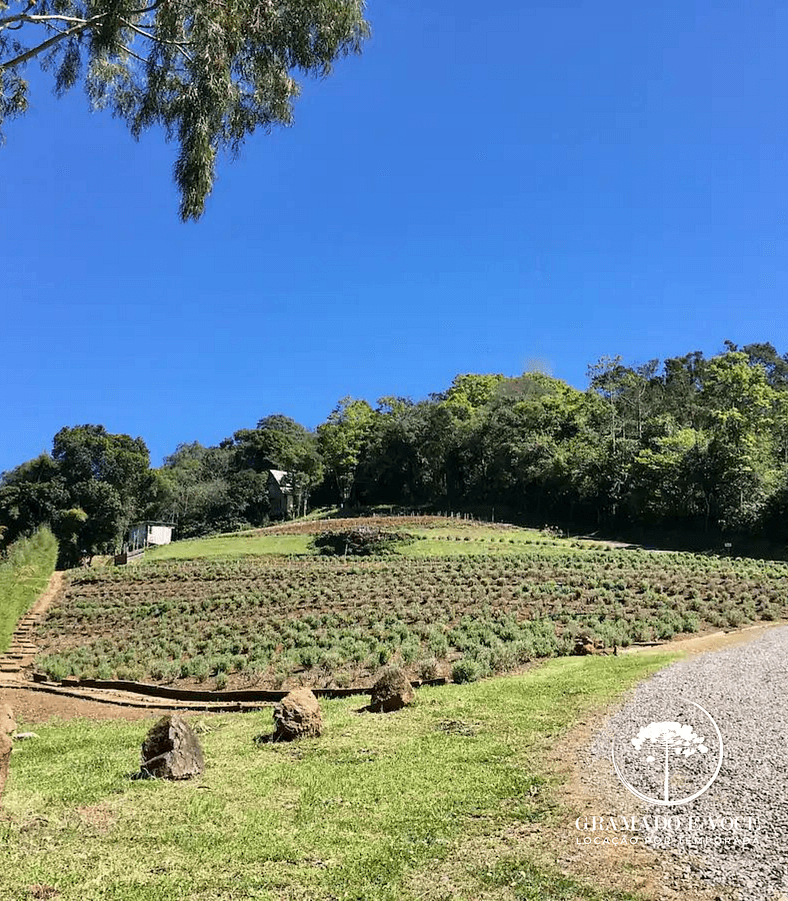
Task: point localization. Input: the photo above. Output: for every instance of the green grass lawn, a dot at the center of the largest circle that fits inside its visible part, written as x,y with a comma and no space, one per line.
368,812
451,540
477,538
231,546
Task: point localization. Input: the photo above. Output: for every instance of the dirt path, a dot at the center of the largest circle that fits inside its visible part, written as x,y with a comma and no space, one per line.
711,641
21,651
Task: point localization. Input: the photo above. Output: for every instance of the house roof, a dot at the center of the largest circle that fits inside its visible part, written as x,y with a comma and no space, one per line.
281,479
151,522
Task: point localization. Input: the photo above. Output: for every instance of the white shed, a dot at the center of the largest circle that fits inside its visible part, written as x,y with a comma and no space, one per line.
142,534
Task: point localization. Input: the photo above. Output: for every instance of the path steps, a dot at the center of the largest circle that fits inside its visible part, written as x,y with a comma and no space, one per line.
22,651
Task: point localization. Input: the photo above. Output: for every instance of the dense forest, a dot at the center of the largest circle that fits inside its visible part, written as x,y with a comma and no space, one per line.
694,445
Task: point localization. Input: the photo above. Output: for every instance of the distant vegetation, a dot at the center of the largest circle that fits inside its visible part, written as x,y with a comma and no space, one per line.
25,570
695,446
280,620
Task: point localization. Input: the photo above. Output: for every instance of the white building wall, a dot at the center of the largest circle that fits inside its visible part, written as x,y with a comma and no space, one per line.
159,534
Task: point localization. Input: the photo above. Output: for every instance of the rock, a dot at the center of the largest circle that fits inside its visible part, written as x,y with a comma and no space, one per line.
171,750
584,646
392,691
5,757
297,715
7,721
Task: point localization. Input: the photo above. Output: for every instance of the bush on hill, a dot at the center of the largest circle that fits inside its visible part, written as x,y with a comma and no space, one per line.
358,541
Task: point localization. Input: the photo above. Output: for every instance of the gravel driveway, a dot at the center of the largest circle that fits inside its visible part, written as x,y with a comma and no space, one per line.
734,835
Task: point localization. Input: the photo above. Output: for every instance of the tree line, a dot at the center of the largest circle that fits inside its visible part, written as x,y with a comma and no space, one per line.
694,444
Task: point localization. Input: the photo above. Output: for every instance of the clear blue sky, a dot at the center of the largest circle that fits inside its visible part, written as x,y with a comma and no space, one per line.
488,185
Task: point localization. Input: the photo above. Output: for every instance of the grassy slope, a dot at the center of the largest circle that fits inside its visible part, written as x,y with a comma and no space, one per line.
366,812
451,539
231,546
23,576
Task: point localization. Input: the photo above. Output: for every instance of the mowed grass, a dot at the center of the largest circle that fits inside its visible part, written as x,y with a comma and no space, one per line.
446,538
231,546
464,539
24,574
369,811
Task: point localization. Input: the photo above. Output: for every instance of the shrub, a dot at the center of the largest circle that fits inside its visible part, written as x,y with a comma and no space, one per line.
409,650
465,670
438,644
427,669
360,541
503,657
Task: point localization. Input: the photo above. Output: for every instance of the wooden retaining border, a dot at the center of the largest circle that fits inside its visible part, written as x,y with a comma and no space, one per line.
139,702
185,695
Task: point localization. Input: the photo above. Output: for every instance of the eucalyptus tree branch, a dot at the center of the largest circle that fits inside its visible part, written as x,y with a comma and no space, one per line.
152,37
34,19
27,16
45,45
216,71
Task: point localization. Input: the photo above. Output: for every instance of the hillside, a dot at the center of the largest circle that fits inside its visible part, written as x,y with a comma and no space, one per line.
455,599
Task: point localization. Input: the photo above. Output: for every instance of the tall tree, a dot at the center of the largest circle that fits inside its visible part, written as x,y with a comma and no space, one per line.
30,496
209,73
393,469
343,439
108,477
775,366
89,490
278,442
204,491
683,380
741,404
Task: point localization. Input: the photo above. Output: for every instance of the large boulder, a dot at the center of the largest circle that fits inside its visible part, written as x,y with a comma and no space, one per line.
392,691
297,715
171,750
7,721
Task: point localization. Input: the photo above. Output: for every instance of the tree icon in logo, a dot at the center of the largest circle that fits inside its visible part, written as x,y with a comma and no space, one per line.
681,740
670,751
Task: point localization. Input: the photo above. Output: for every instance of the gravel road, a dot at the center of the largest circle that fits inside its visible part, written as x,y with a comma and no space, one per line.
734,835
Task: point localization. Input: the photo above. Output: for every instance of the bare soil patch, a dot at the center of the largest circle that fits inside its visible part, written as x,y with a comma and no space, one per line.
317,526
31,707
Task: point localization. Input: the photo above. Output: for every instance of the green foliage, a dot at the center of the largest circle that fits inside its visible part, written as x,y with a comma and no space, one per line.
25,569
208,74
697,449
343,439
208,490
466,671
89,490
361,541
